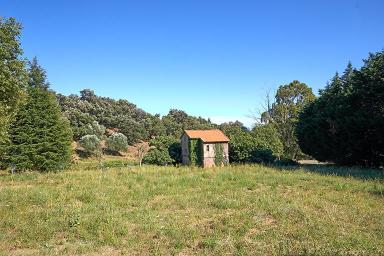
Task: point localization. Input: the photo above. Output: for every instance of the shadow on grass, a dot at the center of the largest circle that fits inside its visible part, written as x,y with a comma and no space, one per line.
343,171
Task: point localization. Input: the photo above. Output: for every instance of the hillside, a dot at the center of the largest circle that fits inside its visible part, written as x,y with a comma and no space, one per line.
124,116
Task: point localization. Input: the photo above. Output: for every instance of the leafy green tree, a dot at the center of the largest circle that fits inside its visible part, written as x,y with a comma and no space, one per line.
37,76
13,75
40,136
91,145
267,140
117,142
290,99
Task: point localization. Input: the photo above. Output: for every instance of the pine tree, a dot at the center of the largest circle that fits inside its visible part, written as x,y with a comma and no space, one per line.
40,136
37,75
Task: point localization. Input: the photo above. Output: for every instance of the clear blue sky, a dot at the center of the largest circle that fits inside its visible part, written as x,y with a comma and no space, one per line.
211,58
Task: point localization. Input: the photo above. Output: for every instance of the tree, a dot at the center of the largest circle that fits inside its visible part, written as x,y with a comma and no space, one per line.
37,76
13,75
96,129
142,149
117,142
290,99
177,120
267,140
345,124
40,136
91,145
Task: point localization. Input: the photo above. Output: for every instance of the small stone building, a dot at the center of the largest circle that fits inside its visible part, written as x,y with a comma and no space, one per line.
205,148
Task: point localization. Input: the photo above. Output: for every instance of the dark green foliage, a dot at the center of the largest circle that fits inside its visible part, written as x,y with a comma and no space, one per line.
121,114
177,121
37,76
13,76
91,145
345,124
290,99
195,150
267,137
117,142
157,157
164,150
219,154
40,136
262,144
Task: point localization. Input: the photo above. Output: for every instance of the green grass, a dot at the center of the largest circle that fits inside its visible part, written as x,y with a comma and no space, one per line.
241,210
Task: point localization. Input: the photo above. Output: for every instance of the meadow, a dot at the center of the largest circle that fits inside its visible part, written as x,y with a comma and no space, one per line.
235,210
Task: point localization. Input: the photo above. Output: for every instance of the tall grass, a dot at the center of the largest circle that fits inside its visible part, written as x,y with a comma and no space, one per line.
242,210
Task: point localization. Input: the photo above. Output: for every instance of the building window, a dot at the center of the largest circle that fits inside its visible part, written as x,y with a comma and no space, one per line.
207,147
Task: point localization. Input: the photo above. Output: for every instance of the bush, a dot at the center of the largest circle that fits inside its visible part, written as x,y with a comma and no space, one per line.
91,145
117,142
261,145
95,128
165,150
157,157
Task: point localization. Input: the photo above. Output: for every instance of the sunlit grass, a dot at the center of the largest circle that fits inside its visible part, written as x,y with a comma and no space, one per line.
243,210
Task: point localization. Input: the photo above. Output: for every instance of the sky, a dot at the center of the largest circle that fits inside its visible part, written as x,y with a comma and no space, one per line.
215,59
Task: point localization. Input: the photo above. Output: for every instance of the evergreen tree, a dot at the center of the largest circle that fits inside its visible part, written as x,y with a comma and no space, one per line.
40,136
37,75
345,124
13,76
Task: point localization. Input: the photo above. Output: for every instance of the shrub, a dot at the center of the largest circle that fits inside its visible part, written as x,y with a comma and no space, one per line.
158,157
96,129
117,142
261,145
91,144
166,148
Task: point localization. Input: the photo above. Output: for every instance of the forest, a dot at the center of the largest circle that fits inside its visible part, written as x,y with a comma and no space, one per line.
343,125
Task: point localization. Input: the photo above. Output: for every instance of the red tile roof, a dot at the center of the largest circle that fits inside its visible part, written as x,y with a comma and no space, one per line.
207,135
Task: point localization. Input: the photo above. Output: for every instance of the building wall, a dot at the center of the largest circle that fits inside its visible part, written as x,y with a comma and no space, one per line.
209,153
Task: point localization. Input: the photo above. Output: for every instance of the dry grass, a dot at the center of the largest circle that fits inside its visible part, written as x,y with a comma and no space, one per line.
241,210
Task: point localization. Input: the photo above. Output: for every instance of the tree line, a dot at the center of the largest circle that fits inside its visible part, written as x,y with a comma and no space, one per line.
343,125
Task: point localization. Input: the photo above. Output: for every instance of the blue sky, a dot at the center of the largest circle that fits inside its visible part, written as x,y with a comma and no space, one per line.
210,58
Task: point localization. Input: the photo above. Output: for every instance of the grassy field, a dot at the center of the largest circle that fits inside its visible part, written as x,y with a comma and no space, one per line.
242,210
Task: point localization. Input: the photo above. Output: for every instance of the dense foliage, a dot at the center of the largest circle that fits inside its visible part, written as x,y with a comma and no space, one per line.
177,121
195,150
262,144
37,76
131,121
164,150
345,124
40,137
13,75
95,128
91,145
117,142
290,99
